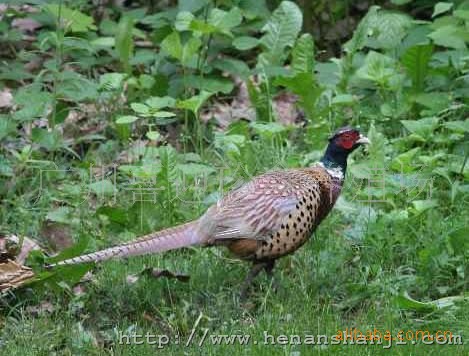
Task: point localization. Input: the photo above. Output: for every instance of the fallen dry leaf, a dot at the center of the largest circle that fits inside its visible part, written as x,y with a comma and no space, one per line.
225,113
285,106
25,24
6,98
10,247
13,275
13,253
59,235
240,107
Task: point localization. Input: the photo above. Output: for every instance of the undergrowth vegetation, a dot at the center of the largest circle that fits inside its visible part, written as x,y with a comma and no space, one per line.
116,122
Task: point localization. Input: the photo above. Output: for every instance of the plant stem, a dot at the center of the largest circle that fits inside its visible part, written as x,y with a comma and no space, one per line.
464,164
59,34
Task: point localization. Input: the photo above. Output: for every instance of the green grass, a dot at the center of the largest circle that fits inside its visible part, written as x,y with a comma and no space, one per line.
328,285
368,266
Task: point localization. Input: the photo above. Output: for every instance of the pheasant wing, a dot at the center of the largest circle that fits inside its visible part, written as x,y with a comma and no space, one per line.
256,209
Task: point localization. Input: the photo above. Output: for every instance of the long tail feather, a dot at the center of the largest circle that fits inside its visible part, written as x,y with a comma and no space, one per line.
169,239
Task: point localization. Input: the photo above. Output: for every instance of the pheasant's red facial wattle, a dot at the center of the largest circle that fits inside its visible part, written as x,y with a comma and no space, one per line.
341,144
348,139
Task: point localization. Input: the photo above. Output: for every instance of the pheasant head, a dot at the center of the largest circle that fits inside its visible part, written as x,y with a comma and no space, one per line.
341,144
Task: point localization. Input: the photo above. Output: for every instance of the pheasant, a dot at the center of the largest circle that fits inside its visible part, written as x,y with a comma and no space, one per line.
269,217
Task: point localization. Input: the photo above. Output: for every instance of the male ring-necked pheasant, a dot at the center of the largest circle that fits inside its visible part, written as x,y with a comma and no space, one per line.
269,217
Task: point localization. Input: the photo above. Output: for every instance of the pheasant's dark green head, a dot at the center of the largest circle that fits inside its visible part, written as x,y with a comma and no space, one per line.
341,144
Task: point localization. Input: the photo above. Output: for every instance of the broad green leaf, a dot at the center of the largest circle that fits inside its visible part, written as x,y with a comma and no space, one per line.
303,55
115,214
163,114
192,5
423,205
328,74
462,126
280,32
146,81
159,102
400,2
51,140
33,102
417,35
190,52
358,40
102,187
271,71
140,108
73,20
362,170
144,57
377,68
416,60
111,81
433,101
5,169
449,36
441,7
194,103
423,127
379,29
344,99
75,87
269,128
303,85
7,126
403,162
199,26
260,100
153,135
404,301
462,14
126,119
124,42
210,84
62,109
104,42
388,30
459,241
245,43
195,169
457,164
172,45
183,21
232,66
60,215
224,21
230,144
254,10
187,54
451,58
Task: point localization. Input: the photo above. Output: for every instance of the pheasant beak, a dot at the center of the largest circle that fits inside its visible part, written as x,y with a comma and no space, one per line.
362,140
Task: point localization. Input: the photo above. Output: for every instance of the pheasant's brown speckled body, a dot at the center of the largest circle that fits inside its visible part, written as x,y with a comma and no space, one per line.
278,210
271,216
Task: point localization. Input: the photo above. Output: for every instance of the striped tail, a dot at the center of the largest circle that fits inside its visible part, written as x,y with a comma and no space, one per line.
164,240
